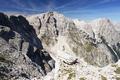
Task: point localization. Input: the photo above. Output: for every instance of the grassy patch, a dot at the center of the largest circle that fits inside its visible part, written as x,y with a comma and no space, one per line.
88,47
46,39
117,78
68,70
103,78
71,73
114,65
117,70
75,49
71,76
82,78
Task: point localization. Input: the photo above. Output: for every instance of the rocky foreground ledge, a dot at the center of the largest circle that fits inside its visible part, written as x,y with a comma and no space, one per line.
49,46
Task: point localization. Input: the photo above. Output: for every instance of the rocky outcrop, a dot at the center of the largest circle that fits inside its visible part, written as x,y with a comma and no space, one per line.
21,52
92,41
32,46
101,32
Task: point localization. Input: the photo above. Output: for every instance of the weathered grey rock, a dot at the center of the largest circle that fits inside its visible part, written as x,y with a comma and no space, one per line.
84,39
29,45
21,55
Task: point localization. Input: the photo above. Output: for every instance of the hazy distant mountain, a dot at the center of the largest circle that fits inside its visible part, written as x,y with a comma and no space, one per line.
50,46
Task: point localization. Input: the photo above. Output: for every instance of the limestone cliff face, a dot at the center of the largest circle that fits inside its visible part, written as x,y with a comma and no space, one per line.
92,41
101,32
50,42
21,51
49,26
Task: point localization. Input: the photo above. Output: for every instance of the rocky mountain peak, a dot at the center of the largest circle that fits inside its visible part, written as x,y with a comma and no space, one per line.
49,42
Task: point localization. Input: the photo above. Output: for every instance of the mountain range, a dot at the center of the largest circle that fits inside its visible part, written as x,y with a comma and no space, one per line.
50,46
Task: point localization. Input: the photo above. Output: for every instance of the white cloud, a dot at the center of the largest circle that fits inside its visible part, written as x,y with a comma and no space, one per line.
17,2
106,1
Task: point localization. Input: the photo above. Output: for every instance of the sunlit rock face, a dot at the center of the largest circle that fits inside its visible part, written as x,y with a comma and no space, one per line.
61,48
101,32
92,41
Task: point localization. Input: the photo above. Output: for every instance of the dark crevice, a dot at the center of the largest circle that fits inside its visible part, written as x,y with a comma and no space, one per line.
117,49
40,24
40,58
4,20
43,16
27,34
24,75
115,56
48,20
21,44
22,26
6,35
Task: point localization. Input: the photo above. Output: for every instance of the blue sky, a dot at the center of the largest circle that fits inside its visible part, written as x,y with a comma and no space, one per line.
82,9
